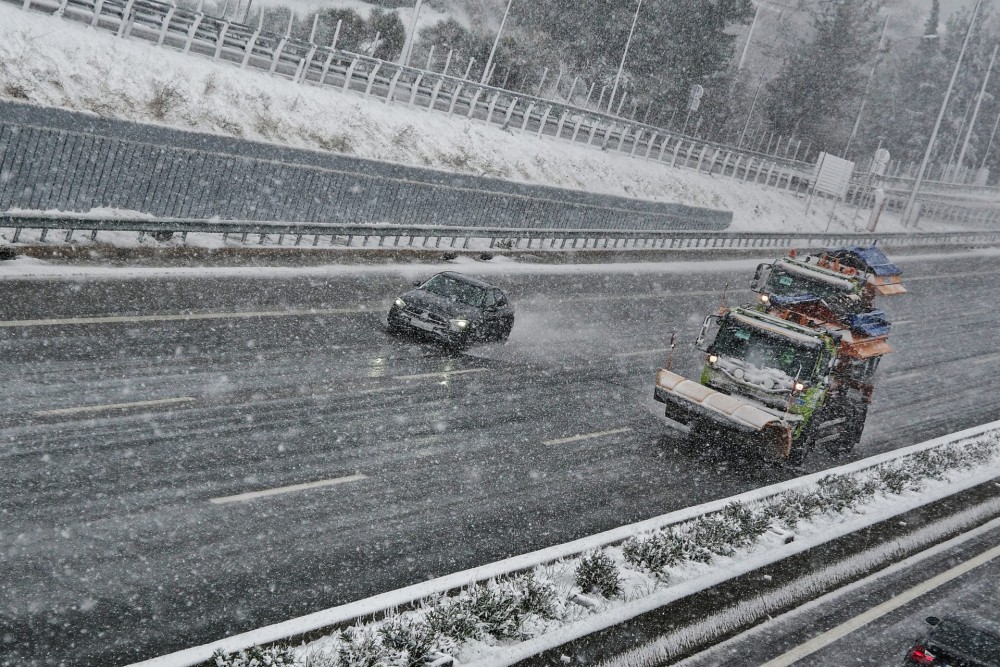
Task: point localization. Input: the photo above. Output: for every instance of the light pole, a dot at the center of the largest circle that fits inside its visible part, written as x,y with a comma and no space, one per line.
621,66
975,114
496,42
746,45
411,36
911,200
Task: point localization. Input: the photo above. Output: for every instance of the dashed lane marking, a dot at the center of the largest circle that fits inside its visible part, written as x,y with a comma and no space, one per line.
585,436
440,374
252,495
119,319
822,641
640,353
112,406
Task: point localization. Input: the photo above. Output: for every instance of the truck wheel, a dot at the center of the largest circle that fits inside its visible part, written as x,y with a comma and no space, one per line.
850,431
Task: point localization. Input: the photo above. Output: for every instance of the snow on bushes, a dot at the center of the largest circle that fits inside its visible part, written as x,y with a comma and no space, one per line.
525,605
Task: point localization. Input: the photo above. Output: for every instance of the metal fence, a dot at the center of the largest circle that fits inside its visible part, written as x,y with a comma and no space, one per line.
306,62
51,168
423,236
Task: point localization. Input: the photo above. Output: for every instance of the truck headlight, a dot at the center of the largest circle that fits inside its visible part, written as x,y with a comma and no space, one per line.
799,386
765,299
459,325
712,358
399,303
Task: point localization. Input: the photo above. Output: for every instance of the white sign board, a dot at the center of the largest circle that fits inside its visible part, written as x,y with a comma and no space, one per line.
833,175
880,162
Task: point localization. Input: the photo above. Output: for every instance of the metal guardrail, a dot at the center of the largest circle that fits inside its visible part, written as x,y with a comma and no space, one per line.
194,32
275,233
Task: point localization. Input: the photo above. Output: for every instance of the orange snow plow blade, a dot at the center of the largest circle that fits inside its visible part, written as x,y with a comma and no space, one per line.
738,421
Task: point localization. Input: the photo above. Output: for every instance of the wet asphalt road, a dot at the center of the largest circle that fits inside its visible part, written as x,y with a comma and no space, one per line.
880,640
112,551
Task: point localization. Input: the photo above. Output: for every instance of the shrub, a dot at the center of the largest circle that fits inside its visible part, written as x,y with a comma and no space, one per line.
411,636
597,572
7,252
535,597
657,551
255,657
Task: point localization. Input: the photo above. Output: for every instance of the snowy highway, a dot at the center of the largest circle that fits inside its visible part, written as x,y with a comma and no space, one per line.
216,454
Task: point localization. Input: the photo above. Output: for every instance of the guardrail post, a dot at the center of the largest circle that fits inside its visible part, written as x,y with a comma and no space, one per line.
69,235
474,102
527,115
220,40
561,123
510,112
663,147
594,122
192,30
350,74
98,7
677,149
491,107
545,118
308,61
93,235
371,78
454,99
736,166
635,142
415,88
434,94
166,25
621,137
45,232
576,129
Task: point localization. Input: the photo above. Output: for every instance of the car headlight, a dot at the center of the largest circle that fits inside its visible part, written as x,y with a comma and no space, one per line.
399,303
765,299
712,358
459,325
800,386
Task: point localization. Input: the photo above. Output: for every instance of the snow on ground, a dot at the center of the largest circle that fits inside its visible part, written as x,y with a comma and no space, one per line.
53,62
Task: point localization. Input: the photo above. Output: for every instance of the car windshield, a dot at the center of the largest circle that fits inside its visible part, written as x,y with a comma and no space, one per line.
455,290
967,640
762,350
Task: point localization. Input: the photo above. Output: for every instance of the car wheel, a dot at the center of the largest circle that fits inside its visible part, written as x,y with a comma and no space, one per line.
503,331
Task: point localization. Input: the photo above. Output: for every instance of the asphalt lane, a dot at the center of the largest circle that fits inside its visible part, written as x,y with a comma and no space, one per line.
819,628
113,551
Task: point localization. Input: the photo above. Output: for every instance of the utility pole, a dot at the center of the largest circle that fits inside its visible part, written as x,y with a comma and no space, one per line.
912,199
746,46
975,114
621,66
496,42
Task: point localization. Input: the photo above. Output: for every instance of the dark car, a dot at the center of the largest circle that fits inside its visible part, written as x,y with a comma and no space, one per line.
958,641
454,309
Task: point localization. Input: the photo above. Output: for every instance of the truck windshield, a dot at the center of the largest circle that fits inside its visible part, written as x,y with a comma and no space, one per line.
766,351
455,290
782,283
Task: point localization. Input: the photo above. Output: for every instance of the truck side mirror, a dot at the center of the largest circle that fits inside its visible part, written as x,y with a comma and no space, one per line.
703,338
933,620
755,283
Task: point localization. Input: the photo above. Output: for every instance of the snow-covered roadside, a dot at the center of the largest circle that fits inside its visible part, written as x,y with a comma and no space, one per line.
51,62
28,268
510,610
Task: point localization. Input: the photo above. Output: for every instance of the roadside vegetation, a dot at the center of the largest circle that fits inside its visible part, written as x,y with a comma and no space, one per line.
518,607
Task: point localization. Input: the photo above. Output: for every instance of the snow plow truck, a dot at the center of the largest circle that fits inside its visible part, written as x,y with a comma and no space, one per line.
794,371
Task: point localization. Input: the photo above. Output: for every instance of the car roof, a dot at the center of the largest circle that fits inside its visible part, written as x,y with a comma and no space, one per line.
970,636
467,279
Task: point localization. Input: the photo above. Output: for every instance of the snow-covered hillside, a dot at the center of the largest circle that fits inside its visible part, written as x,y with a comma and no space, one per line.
53,62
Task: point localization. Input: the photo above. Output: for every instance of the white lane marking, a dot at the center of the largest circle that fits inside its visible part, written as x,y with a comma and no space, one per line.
832,635
440,374
118,319
112,406
242,497
585,436
639,353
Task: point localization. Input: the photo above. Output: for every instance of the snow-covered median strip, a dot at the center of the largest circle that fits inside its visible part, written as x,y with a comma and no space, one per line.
504,612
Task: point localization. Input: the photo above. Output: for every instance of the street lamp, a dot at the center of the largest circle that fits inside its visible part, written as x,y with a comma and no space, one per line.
911,200
411,36
489,61
621,66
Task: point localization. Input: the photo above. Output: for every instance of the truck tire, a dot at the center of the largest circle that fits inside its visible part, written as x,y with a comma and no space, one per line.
850,432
